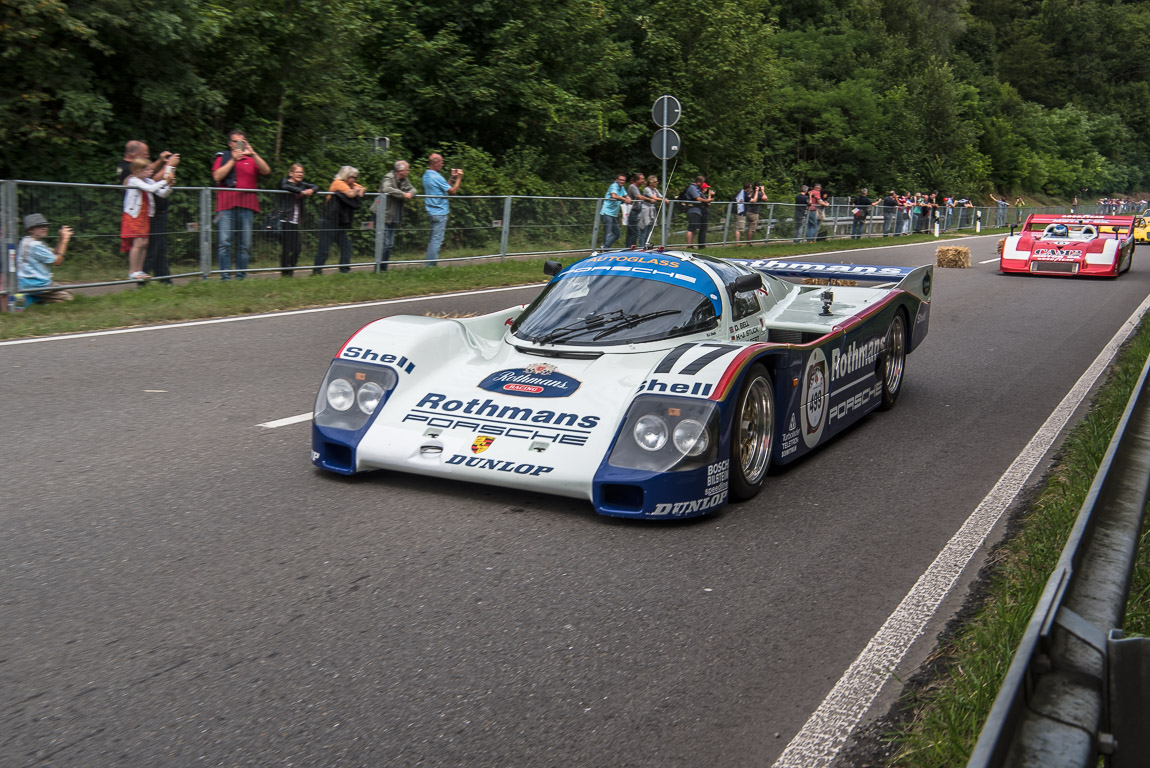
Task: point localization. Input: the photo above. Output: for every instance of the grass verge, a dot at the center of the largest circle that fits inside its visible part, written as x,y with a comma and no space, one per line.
942,713
197,299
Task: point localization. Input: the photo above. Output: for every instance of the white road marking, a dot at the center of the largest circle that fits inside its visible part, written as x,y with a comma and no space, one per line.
265,315
284,422
829,727
989,261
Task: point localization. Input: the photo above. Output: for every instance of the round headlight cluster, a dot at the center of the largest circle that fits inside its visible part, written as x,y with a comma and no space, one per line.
341,396
690,437
650,432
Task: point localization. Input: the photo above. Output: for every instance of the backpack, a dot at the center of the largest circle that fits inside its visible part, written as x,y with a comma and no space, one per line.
682,202
230,179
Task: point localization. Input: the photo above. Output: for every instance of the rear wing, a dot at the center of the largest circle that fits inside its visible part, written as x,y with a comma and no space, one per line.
915,280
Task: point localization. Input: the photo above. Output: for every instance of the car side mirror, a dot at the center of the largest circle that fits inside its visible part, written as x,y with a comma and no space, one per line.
552,268
744,283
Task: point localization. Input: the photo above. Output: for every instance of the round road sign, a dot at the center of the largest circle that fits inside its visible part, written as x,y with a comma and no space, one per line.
665,143
666,111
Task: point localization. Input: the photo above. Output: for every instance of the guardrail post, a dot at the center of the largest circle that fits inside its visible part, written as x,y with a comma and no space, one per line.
11,228
595,226
505,234
205,232
726,222
770,221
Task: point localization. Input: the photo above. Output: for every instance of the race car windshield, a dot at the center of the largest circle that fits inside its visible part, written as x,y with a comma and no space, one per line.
613,309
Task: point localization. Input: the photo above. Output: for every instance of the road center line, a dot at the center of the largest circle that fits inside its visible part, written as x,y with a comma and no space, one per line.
828,728
286,421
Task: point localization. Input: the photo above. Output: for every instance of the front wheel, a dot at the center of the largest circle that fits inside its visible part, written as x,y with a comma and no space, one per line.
894,361
752,435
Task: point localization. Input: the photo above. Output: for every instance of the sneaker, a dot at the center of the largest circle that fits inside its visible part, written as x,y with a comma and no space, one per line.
139,276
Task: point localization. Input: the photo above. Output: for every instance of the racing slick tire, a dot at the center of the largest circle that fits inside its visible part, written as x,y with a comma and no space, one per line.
893,361
1129,261
752,434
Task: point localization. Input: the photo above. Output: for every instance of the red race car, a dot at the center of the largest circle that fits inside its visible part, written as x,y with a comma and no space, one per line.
1070,245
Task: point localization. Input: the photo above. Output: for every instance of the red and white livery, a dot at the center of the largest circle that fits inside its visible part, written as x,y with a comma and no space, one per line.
1101,246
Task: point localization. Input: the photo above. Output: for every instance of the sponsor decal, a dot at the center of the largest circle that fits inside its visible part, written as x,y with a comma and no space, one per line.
856,356
816,394
768,265
538,380
650,267
486,417
790,442
1055,254
482,443
745,329
852,404
698,388
718,477
495,465
368,355
315,455
687,507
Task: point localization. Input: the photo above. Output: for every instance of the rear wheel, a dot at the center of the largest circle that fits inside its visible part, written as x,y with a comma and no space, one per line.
753,434
894,361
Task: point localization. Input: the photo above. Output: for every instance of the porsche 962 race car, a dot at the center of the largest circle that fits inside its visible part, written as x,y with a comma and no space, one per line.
1101,246
653,384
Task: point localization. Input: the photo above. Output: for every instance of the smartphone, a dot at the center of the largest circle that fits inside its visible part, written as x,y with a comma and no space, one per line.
243,145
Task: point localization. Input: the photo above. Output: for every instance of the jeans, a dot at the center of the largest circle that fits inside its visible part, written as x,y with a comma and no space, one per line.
610,229
235,221
812,225
290,247
340,237
899,222
388,244
887,224
800,225
946,219
857,227
438,230
914,217
1000,219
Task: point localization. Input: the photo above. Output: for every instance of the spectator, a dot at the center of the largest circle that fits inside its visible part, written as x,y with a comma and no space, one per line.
932,214
291,215
890,212
859,212
1074,203
1001,206
1018,203
907,203
916,212
135,221
156,262
609,213
136,148
649,213
338,210
816,212
949,214
802,205
754,205
694,209
638,181
394,191
436,203
238,168
705,199
962,204
741,198
33,259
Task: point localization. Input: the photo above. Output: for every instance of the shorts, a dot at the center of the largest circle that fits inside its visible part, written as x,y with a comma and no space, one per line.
694,220
752,223
740,222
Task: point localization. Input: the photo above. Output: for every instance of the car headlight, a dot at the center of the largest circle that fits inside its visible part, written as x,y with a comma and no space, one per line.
690,437
368,397
340,394
650,432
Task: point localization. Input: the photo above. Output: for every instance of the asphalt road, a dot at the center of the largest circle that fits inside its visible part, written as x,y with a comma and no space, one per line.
180,587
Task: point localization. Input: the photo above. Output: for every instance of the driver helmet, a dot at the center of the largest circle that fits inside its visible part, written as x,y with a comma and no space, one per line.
1060,230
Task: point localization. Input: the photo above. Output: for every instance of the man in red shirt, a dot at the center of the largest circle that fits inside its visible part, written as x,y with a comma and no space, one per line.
238,170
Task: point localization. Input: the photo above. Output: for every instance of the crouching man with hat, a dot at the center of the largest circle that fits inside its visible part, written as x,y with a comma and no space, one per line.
34,257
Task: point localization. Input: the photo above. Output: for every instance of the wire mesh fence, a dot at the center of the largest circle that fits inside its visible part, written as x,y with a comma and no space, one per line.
188,228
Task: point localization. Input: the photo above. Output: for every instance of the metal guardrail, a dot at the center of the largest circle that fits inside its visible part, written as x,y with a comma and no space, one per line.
1078,689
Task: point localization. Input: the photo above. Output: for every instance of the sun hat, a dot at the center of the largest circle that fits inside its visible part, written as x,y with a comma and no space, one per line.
33,220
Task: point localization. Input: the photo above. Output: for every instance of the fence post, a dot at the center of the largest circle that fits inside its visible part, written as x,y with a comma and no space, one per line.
10,226
727,222
595,225
770,220
205,232
380,226
505,234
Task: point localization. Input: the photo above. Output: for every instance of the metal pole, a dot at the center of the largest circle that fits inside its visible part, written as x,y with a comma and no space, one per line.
770,220
595,227
506,233
380,227
9,224
663,203
205,232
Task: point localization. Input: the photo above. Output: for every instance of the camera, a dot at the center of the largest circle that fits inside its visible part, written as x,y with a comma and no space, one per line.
242,145
456,171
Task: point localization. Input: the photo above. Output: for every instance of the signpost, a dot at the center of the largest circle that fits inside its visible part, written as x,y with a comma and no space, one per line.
665,145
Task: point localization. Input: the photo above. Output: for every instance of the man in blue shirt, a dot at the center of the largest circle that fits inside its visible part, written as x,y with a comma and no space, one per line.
33,259
609,213
437,188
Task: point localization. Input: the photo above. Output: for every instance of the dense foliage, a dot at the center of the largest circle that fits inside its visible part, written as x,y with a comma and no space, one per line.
965,96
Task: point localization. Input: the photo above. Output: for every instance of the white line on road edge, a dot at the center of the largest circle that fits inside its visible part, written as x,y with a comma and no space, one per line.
285,313
828,728
284,422
988,261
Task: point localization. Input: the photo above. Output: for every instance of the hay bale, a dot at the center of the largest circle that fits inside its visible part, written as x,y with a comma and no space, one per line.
955,256
828,281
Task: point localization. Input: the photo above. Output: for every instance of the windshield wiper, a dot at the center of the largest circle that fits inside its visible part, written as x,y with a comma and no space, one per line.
592,322
630,321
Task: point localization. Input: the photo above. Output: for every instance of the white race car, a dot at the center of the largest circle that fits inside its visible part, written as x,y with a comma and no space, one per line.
653,384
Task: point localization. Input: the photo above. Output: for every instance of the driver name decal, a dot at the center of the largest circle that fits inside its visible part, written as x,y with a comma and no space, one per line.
539,380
